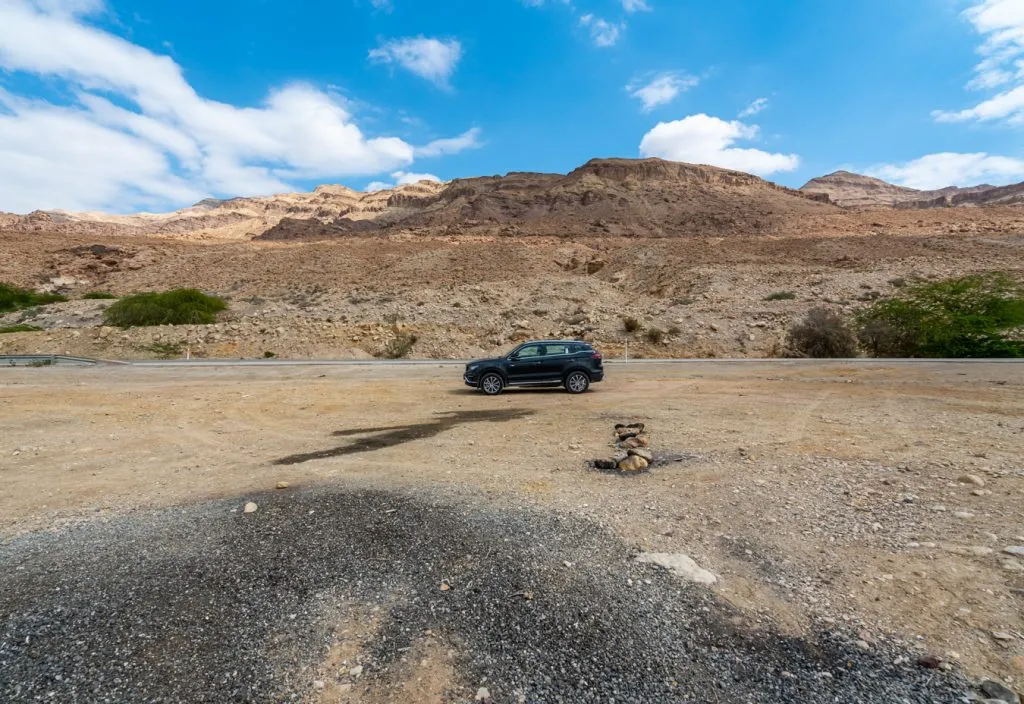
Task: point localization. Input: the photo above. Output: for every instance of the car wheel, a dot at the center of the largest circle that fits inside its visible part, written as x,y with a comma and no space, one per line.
492,384
577,383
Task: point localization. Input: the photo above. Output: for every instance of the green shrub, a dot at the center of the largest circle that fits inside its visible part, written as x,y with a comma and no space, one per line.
780,296
14,298
972,316
165,350
98,296
631,324
400,345
655,336
20,327
182,306
822,334
269,355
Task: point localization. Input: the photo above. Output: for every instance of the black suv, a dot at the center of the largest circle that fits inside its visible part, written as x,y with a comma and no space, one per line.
566,363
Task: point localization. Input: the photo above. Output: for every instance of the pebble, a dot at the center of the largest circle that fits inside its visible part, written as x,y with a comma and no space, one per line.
971,479
998,691
680,565
251,507
282,485
356,671
483,694
1001,635
971,551
964,514
982,492
863,645
1017,550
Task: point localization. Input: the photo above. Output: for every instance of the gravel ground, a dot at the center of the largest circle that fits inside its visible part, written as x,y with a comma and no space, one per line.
208,603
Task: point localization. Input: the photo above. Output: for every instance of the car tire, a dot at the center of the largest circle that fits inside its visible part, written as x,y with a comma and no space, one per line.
492,384
577,382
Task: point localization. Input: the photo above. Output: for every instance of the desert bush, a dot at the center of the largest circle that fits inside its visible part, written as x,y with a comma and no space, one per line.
821,334
780,296
972,316
20,327
631,324
400,345
269,355
165,350
675,330
655,336
898,282
182,306
98,296
13,298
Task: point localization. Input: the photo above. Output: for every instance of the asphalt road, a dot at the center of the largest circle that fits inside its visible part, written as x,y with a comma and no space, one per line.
210,604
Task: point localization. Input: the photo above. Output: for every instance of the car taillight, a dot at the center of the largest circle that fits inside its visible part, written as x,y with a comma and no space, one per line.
596,355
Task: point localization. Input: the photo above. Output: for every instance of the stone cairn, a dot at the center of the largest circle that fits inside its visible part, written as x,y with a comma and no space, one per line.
631,450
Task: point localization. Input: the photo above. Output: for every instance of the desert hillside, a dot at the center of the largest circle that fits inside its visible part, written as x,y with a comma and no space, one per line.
850,190
474,265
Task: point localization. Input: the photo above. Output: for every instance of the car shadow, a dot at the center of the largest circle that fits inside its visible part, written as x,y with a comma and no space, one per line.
388,436
514,390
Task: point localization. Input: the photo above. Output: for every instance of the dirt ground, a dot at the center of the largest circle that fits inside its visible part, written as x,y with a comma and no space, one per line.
814,490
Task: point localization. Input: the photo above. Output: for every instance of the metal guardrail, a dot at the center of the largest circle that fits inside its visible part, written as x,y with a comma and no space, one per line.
45,360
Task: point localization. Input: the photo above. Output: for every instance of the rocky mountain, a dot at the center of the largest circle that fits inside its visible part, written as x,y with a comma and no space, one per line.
966,197
605,197
235,218
851,190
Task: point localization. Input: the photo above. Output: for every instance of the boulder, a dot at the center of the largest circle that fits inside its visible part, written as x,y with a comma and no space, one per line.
633,463
643,452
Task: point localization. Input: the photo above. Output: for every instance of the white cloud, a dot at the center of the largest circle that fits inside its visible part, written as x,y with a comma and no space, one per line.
603,32
755,107
635,6
702,139
660,89
1001,24
385,5
161,144
428,58
949,169
470,139
401,178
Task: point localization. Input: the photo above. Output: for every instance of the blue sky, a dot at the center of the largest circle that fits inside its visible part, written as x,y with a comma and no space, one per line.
137,104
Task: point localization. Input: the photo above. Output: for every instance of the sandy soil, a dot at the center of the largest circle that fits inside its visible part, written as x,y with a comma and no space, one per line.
813,489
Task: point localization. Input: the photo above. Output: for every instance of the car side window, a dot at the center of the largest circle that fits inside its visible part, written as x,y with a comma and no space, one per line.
557,349
528,352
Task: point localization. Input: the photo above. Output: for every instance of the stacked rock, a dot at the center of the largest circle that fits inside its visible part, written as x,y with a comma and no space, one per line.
632,453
